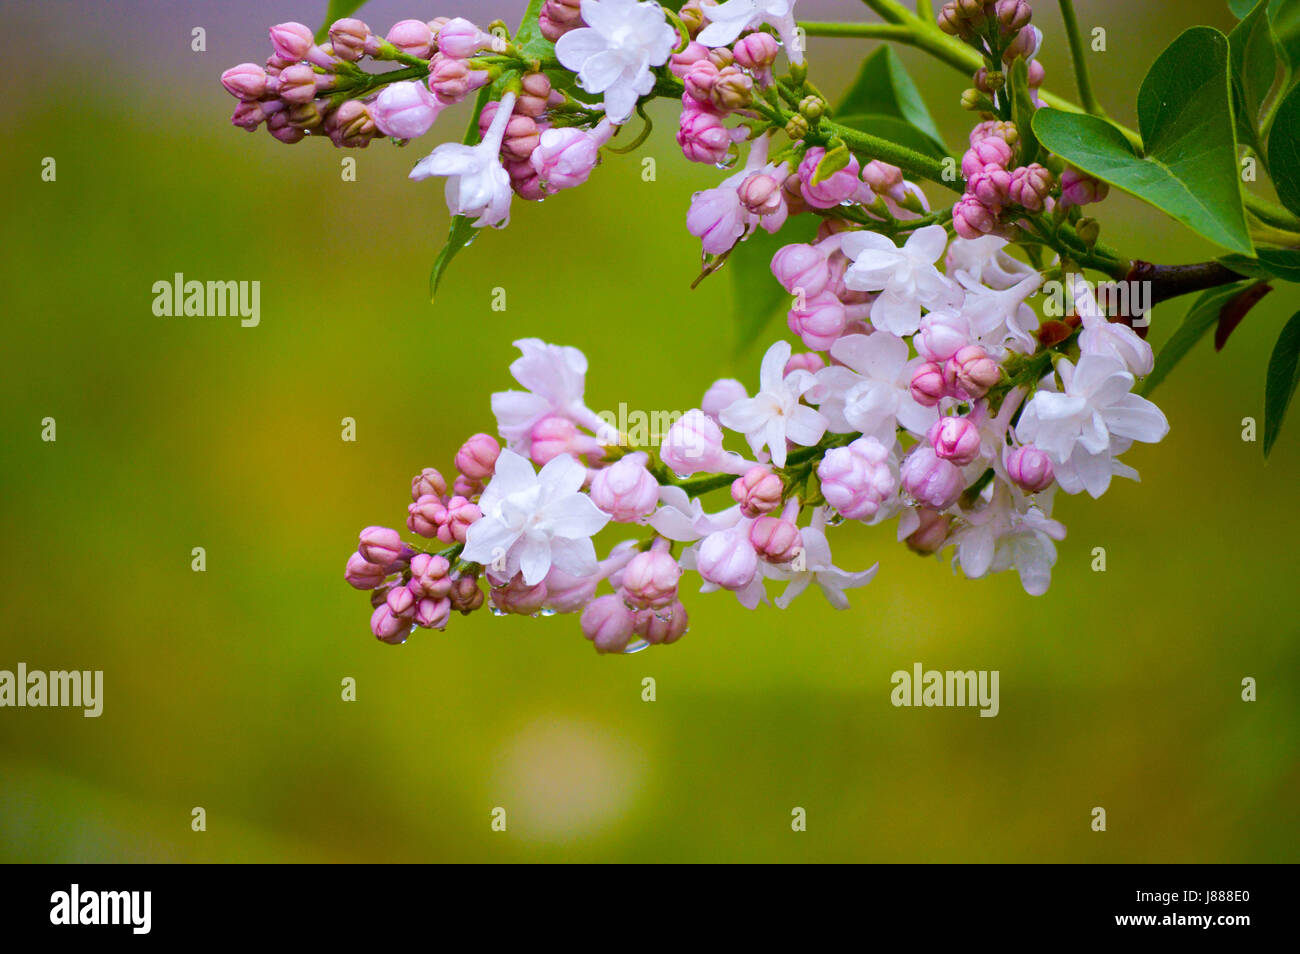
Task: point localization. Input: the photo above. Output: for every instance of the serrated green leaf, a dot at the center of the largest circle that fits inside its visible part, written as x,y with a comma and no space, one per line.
1283,375
883,88
1189,167
1201,317
756,293
1284,151
1281,263
337,10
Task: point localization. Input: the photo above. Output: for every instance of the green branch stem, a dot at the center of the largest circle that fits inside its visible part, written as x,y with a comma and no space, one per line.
1078,54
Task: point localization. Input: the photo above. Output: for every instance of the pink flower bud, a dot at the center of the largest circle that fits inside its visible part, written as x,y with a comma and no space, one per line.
554,435
942,335
839,188
650,580
426,515
245,81
972,370
956,439
928,386
428,481
534,95
662,627
381,546
464,487
519,598
405,110
930,479
971,218
884,179
363,574
626,490
992,186
756,52
608,623
1030,187
413,37
727,558
820,323
564,158
1012,15
569,594
351,126
703,136
987,152
466,595
433,613
1037,73
298,84
932,533
248,115
694,444
856,480
1079,188
733,89
801,267
459,516
429,576
758,491
809,361
721,395
679,64
699,81
1029,468
451,80
760,194
477,457
1001,129
461,39
348,38
401,600
776,539
279,127
389,627
291,40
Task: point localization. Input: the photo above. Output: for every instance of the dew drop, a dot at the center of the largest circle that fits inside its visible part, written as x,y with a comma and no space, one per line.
636,647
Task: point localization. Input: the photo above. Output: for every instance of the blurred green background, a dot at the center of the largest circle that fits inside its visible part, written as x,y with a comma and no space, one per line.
222,689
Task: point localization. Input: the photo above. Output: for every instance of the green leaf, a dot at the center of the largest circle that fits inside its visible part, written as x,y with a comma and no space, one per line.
895,130
1240,8
1201,317
1189,169
1283,375
337,10
529,35
1284,151
1284,18
883,88
757,295
1252,63
1281,263
462,231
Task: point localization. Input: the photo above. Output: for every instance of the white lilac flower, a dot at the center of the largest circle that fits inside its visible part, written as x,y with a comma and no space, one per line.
555,377
1000,319
814,565
728,20
1100,335
984,261
998,536
683,518
535,521
905,277
1094,418
869,391
775,414
477,184
614,52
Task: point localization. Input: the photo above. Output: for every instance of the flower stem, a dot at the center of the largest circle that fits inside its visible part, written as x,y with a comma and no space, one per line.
1077,54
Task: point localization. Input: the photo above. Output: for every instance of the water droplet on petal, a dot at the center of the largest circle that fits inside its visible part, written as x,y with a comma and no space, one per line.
636,647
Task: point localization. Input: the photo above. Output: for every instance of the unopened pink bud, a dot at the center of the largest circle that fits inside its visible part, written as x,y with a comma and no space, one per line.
760,193
363,574
884,179
626,490
518,597
413,37
298,84
972,219
608,623
856,480
291,40
987,152
389,627
776,539
477,457
430,576
401,600
1079,188
426,515
703,136
972,370
699,80
721,395
1012,15
405,110
433,613
809,361
451,80
932,533
831,192
991,186
928,387
466,595
1030,469
1030,187
428,481
460,516
756,52
554,435
758,491
662,626
534,95
801,268
348,38
245,81
930,479
381,546
956,439
649,580
694,444
679,64
248,115
820,322
279,127
461,39
564,158
728,559
942,335
733,89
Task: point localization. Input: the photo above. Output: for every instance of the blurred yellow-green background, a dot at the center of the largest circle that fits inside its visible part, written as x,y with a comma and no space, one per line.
222,689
